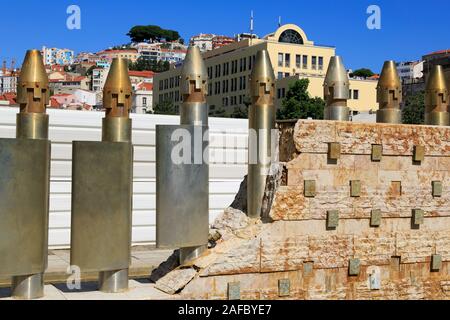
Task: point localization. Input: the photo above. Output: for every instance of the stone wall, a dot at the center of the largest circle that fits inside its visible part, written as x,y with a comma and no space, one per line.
368,221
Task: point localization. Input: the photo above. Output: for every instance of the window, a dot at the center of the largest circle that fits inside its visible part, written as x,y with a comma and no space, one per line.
240,83
240,99
298,61
291,36
235,66
278,93
283,92
287,58
287,74
160,84
314,62
250,59
209,89
305,62
144,101
280,75
225,101
166,84
320,63
244,82
245,64
280,59
355,94
240,65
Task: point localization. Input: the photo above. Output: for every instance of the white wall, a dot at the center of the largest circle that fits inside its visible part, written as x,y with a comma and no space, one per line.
67,125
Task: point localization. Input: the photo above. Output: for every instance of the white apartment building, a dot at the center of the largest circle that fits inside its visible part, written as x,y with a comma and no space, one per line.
99,76
204,41
409,71
143,98
57,56
8,83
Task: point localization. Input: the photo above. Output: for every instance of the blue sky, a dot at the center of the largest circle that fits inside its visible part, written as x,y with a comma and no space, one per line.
409,28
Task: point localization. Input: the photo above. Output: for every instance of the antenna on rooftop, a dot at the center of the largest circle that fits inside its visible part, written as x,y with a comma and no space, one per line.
251,27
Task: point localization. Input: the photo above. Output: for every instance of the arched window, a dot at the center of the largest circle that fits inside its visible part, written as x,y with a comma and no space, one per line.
291,36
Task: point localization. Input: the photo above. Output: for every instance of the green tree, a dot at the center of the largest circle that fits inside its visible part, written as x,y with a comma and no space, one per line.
149,65
299,105
240,113
219,113
165,107
152,33
413,111
362,73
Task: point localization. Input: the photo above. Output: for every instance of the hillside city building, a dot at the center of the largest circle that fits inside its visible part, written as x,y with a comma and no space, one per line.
293,56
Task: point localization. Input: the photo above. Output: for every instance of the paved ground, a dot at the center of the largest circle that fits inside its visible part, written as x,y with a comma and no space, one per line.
144,260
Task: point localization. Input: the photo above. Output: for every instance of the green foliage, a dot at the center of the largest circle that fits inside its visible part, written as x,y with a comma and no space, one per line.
240,113
89,71
299,105
165,107
413,111
151,32
219,113
149,65
363,73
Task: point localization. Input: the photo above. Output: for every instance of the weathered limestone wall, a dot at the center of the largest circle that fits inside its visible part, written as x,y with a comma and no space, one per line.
388,237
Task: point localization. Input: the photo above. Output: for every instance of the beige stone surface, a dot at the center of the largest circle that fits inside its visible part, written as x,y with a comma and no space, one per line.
175,280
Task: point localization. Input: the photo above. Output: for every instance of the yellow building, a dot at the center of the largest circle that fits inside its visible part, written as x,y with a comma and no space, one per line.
292,54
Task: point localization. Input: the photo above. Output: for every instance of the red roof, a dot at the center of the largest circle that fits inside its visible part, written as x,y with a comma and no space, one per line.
143,74
9,96
145,86
54,103
440,52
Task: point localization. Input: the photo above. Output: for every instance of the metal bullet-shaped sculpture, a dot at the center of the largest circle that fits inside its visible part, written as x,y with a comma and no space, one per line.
389,95
102,189
261,125
336,91
436,99
182,185
194,110
24,179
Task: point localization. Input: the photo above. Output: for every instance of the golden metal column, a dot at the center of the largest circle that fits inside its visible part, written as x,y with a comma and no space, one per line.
389,95
336,91
32,124
436,99
193,111
102,189
116,127
261,120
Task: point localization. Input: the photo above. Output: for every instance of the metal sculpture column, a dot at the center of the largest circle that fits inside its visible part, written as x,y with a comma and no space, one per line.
336,91
436,99
182,174
24,185
389,95
261,123
102,190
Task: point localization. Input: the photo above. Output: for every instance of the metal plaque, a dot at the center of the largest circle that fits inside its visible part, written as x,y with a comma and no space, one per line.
377,152
419,154
102,174
354,267
334,151
310,188
418,217
284,288
24,198
332,219
355,188
375,218
182,186
436,263
437,188
234,291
